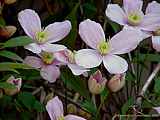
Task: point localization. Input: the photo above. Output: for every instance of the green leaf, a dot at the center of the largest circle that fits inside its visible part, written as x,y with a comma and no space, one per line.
9,66
115,26
27,99
90,10
127,105
10,55
75,83
2,22
157,86
70,40
104,94
18,41
89,106
5,85
38,106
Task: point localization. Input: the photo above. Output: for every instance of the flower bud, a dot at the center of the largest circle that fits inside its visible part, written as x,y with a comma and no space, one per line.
9,1
7,31
14,81
96,83
116,82
71,109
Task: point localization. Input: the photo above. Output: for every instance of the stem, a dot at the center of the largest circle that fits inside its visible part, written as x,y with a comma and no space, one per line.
146,85
94,99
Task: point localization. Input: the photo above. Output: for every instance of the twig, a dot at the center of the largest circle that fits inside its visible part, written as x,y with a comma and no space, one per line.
146,85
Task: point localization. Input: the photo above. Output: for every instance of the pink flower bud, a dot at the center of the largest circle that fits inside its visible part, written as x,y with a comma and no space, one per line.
96,83
14,81
116,82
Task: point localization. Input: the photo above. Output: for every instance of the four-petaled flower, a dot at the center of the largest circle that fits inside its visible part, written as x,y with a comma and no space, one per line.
48,64
42,38
123,42
55,110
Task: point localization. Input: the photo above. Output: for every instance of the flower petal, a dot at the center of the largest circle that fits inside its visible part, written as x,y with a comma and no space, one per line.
33,47
77,70
151,22
125,41
91,33
156,42
132,5
116,14
157,109
62,56
54,108
73,117
52,47
153,7
30,22
50,73
33,61
115,64
88,58
57,31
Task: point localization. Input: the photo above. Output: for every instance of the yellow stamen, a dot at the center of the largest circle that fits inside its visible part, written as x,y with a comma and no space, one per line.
103,47
47,57
41,37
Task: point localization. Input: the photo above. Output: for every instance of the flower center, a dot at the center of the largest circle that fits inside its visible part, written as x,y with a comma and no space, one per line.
134,19
71,56
103,47
41,37
61,117
47,57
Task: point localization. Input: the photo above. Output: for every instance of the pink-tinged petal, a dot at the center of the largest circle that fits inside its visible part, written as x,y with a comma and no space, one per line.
50,73
125,41
132,5
33,47
115,64
62,56
91,33
116,14
156,43
54,108
77,70
52,47
33,61
157,109
30,22
151,22
73,117
153,7
57,31
88,58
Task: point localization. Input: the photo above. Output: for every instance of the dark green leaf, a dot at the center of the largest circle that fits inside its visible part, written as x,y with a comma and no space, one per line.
75,83
38,106
10,55
5,85
18,41
127,105
157,86
104,94
2,22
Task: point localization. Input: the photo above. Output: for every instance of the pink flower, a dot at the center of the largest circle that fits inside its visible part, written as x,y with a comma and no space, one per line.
123,42
55,110
48,65
131,14
68,57
42,38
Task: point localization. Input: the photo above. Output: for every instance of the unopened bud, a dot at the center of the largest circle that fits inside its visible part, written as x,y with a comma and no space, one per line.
7,31
96,83
116,82
9,1
17,82
71,109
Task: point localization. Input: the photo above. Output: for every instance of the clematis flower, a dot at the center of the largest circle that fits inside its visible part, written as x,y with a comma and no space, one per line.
47,63
42,38
68,58
132,15
55,110
14,81
123,42
96,83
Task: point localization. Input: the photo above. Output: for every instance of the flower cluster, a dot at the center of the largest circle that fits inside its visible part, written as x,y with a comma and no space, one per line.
103,51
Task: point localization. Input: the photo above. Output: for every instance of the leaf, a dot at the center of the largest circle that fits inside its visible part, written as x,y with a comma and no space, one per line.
70,40
89,106
5,85
157,86
10,55
27,99
115,26
75,83
127,105
89,10
18,41
9,66
104,94
2,22
38,106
